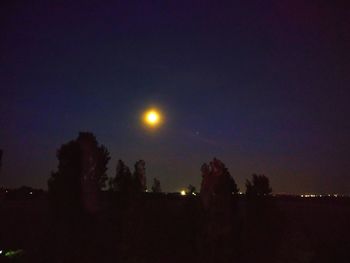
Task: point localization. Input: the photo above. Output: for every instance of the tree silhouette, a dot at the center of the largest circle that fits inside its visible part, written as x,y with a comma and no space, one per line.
1,158
216,182
123,181
81,174
139,176
64,185
191,189
156,186
233,186
259,186
103,158
218,204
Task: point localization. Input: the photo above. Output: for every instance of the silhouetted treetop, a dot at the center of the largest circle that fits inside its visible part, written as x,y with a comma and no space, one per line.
140,176
259,186
82,167
94,159
216,181
156,186
123,180
64,185
233,186
218,202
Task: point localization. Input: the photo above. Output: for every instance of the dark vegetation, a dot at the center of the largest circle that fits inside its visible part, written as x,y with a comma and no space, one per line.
87,217
0,159
156,186
259,186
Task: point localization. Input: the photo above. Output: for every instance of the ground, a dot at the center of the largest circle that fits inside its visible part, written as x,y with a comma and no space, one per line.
160,228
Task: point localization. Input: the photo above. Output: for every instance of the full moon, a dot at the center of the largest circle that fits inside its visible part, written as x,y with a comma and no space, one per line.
152,117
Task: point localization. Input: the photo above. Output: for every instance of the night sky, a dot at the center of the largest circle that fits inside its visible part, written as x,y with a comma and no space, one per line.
263,86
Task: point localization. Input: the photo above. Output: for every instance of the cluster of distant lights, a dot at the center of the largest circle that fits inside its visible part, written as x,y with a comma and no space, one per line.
318,195
184,193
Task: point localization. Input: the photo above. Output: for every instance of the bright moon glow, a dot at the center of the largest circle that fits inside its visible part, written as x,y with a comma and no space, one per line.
152,117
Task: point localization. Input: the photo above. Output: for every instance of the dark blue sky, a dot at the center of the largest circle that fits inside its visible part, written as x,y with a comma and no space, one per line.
263,86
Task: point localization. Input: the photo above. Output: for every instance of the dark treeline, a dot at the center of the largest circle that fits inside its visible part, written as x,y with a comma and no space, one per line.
205,228
93,218
81,177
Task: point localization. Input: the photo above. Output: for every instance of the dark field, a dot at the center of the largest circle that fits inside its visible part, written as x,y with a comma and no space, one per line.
159,228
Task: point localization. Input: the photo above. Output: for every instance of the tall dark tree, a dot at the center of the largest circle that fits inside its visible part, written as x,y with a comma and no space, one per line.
156,186
259,186
217,182
218,203
233,186
123,181
64,185
140,176
103,158
81,174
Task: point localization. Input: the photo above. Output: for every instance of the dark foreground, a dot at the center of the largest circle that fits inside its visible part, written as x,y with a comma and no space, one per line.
158,228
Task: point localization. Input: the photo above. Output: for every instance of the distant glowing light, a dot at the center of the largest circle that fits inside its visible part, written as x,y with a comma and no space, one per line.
152,117
194,194
183,192
0,251
30,193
